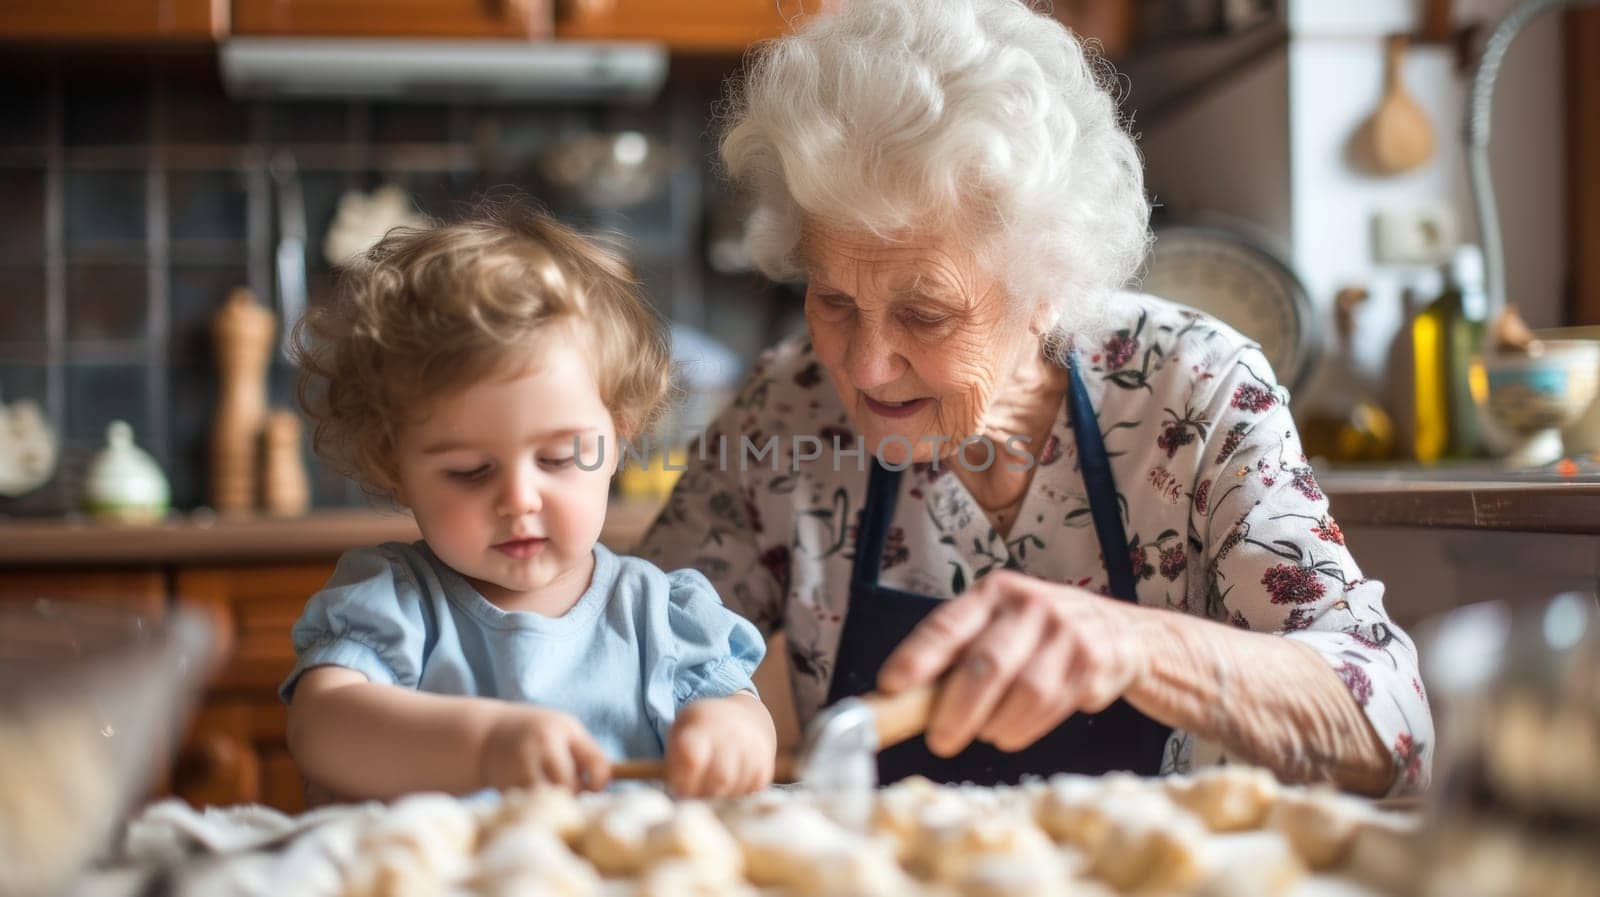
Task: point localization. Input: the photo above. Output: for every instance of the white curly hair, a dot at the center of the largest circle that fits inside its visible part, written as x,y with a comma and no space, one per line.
985,116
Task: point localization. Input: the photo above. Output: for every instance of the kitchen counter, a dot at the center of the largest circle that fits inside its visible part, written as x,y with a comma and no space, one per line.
1465,499
204,537
1459,498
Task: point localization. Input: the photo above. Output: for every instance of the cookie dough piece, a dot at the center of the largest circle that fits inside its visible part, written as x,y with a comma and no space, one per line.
994,876
528,857
422,843
1147,843
1384,851
1319,823
1250,864
1226,798
1077,810
904,810
779,844
800,849
554,809
868,870
687,878
948,852
695,835
615,838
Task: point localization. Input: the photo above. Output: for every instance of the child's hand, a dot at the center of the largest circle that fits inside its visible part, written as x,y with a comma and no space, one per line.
721,747
530,746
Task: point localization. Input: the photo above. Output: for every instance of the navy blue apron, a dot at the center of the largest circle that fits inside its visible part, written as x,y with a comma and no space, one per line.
879,617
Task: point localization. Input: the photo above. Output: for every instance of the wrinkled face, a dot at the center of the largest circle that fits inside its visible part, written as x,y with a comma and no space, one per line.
916,335
494,474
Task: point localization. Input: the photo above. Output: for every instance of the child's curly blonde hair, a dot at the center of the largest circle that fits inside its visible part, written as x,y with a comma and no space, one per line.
432,310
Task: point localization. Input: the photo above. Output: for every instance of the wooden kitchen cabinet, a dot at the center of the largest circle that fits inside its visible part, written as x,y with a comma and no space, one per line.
143,590
394,18
731,26
112,20
712,26
236,752
706,25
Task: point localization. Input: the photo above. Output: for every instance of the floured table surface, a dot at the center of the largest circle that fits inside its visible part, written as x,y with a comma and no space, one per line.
1228,831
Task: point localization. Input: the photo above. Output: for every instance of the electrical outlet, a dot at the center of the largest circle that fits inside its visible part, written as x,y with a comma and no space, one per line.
1414,235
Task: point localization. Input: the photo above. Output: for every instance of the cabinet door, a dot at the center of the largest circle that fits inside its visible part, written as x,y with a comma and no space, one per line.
139,590
731,26
111,20
235,752
394,18
254,608
710,26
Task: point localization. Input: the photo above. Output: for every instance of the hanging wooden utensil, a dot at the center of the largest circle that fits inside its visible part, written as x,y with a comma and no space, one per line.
1401,137
1438,21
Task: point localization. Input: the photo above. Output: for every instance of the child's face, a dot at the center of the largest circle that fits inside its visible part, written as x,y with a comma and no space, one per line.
491,476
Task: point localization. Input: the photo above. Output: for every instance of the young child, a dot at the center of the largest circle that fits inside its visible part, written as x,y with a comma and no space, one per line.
473,372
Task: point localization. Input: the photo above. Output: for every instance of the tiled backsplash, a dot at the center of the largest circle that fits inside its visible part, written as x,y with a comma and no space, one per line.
134,195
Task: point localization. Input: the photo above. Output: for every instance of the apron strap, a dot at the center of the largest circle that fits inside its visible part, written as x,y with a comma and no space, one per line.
883,491
1104,505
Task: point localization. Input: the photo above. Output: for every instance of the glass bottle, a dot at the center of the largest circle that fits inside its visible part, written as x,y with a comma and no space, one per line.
1430,329
1468,331
1350,425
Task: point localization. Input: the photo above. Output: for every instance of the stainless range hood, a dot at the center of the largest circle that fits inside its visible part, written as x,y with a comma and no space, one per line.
431,70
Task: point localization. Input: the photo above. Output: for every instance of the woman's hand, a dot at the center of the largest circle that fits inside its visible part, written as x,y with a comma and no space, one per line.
1023,654
528,746
721,747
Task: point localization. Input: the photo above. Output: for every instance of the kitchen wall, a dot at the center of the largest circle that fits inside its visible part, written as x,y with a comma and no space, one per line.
1269,147
134,195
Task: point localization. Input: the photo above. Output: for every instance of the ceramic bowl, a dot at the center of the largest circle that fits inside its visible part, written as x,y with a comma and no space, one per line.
92,703
1531,397
1582,436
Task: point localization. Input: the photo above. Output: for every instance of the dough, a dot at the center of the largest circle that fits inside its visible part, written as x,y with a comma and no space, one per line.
904,810
1250,864
614,839
420,844
994,876
694,834
1384,852
686,878
1226,798
779,843
529,857
1148,843
798,848
949,852
554,809
869,870
1076,809
1319,823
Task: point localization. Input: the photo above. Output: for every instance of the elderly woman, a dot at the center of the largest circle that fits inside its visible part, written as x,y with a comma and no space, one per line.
1084,512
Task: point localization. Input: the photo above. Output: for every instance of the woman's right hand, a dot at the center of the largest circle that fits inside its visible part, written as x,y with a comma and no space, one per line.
528,746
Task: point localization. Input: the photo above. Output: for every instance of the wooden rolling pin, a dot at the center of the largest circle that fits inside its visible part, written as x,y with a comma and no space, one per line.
656,770
896,718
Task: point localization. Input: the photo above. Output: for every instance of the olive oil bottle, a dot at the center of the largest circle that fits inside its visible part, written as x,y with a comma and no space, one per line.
1445,334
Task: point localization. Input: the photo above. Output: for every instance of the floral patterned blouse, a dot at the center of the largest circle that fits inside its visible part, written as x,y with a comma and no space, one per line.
1224,517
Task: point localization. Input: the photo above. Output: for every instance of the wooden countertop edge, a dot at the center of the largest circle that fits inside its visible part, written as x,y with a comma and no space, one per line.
1357,500
1567,508
320,535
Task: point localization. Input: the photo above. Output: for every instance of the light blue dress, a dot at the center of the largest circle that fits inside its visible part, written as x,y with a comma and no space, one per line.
639,645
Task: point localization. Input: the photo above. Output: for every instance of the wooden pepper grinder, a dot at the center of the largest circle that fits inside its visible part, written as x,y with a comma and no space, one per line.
285,487
243,333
